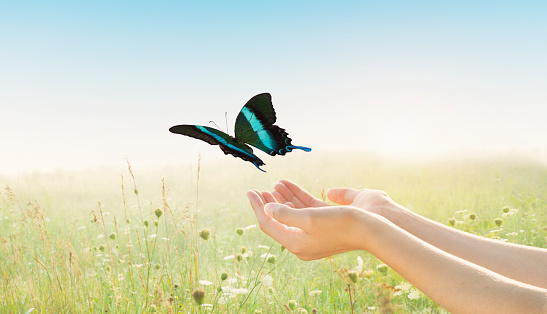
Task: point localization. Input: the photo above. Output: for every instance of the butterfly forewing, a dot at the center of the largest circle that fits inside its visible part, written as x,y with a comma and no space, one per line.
217,137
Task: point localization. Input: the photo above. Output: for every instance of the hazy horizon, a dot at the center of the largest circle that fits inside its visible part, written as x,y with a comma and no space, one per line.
88,84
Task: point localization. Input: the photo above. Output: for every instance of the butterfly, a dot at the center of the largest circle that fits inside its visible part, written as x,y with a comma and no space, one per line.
254,126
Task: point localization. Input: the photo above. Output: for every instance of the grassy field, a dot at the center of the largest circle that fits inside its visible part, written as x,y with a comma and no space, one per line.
179,239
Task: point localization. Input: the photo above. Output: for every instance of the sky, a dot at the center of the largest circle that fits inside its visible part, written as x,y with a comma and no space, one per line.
89,83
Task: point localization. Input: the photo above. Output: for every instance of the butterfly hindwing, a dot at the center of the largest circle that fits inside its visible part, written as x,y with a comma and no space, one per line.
255,126
215,137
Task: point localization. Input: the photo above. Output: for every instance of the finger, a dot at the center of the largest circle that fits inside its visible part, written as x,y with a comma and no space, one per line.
288,194
302,195
342,196
290,204
278,231
268,197
279,198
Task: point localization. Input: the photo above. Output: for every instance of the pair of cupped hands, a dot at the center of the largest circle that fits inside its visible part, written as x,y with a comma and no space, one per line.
311,228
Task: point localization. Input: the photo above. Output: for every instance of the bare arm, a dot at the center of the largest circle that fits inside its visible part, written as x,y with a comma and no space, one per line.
522,263
320,230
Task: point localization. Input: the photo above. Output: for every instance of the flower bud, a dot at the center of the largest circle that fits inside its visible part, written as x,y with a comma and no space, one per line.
198,295
353,276
292,305
204,234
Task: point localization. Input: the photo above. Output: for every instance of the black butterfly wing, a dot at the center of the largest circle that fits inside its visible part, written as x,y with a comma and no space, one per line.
255,126
215,137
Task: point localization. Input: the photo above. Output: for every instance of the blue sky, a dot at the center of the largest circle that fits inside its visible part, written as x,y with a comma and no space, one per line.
84,84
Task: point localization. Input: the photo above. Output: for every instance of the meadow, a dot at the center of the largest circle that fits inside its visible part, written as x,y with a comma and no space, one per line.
183,238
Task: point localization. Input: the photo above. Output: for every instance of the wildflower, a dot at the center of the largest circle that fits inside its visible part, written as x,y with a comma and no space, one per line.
452,221
152,308
282,248
198,295
205,282
506,209
511,212
249,227
353,276
403,287
258,312
498,221
239,231
146,223
158,212
204,234
243,249
157,266
223,276
156,224
232,281
239,291
314,293
472,216
382,268
292,305
267,281
265,247
153,236
136,191
359,264
239,257
368,273
414,294
101,247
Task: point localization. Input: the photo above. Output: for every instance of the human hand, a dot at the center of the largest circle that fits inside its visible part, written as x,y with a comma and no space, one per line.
289,193
308,232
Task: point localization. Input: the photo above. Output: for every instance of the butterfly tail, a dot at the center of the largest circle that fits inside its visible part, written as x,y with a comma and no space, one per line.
257,164
290,148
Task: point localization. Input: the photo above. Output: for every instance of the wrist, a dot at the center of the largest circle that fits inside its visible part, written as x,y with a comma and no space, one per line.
367,228
393,212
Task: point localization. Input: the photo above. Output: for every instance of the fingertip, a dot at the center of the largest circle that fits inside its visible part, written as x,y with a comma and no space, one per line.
343,196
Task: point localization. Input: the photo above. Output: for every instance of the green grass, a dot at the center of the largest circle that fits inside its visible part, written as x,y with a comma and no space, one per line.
77,241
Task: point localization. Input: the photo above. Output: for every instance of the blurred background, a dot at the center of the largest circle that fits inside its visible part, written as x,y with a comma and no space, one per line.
84,85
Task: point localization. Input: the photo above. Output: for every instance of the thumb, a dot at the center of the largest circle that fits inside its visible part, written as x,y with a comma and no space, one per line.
342,196
286,215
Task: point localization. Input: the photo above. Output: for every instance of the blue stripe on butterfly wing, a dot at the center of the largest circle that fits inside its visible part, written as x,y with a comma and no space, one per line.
257,127
231,146
290,148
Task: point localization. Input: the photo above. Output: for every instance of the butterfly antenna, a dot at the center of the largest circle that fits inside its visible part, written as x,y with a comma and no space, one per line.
226,119
213,122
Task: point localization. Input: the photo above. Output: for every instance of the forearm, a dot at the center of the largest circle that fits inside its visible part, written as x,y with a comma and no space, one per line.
518,262
458,285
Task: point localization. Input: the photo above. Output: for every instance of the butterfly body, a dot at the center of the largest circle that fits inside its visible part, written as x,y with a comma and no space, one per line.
254,126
